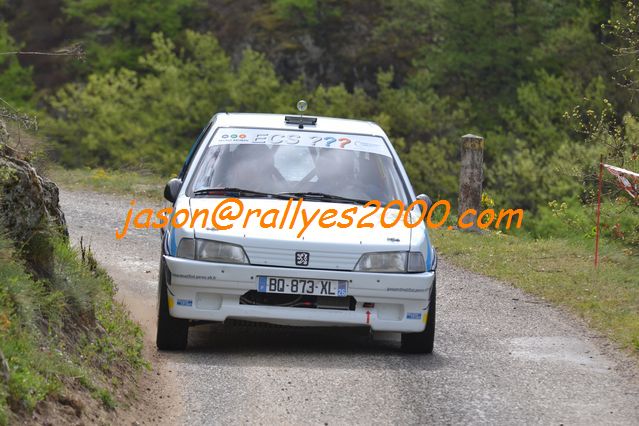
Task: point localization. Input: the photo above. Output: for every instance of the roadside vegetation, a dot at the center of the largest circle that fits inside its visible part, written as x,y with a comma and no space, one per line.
118,182
559,270
62,333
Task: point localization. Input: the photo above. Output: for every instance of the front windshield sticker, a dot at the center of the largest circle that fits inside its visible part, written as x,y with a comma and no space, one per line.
374,144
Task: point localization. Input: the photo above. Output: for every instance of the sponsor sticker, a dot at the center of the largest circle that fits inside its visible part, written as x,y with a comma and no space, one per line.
414,315
185,302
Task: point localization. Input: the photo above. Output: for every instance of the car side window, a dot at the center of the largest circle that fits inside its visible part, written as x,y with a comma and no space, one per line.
208,168
194,148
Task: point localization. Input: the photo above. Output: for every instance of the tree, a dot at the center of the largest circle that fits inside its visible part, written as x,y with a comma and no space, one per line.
117,32
486,49
16,85
150,114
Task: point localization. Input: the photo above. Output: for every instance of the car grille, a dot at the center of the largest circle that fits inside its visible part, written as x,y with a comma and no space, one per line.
269,256
253,297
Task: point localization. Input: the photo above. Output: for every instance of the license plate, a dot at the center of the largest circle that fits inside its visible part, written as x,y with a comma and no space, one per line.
311,287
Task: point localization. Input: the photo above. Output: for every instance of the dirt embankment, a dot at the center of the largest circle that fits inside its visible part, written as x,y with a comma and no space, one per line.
69,353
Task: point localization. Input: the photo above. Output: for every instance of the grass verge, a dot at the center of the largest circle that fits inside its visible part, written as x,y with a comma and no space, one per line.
133,184
560,271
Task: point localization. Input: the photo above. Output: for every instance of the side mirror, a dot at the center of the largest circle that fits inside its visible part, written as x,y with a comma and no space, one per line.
172,189
425,198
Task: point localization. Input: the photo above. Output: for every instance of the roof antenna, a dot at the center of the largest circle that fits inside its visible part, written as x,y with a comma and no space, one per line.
301,107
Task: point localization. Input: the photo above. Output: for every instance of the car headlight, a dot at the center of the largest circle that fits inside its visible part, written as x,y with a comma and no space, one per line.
216,251
391,261
211,251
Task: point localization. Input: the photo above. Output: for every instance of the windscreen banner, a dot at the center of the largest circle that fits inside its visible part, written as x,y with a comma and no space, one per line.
354,142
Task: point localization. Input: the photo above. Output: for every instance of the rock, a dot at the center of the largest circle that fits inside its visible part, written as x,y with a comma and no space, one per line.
30,213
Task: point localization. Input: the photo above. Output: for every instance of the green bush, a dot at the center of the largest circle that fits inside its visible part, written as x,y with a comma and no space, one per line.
572,220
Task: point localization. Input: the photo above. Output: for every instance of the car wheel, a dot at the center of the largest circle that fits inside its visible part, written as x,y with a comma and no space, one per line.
422,343
172,332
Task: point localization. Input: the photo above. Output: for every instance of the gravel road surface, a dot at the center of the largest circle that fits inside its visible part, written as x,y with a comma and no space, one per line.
501,356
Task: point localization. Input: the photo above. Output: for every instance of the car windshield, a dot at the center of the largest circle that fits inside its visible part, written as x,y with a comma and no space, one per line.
298,162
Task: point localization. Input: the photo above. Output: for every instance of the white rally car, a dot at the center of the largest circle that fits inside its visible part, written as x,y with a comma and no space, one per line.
263,269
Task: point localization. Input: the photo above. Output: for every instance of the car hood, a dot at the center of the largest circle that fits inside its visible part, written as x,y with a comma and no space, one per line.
328,248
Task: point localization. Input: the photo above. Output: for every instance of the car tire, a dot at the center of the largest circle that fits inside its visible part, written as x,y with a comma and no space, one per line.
422,343
172,333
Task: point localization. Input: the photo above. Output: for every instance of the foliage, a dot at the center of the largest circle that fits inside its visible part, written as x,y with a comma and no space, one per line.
54,333
16,86
195,79
119,29
625,29
613,131
137,127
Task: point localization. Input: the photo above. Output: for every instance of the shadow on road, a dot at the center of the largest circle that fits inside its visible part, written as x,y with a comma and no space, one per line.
307,347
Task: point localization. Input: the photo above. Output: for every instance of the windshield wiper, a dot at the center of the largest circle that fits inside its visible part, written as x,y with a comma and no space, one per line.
232,191
323,197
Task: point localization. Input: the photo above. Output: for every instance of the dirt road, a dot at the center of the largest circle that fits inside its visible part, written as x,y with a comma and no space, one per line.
501,356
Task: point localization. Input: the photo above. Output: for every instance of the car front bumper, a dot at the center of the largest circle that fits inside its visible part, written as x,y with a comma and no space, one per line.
211,292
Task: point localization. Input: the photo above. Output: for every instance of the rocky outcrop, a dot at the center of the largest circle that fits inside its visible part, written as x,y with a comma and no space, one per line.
30,213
